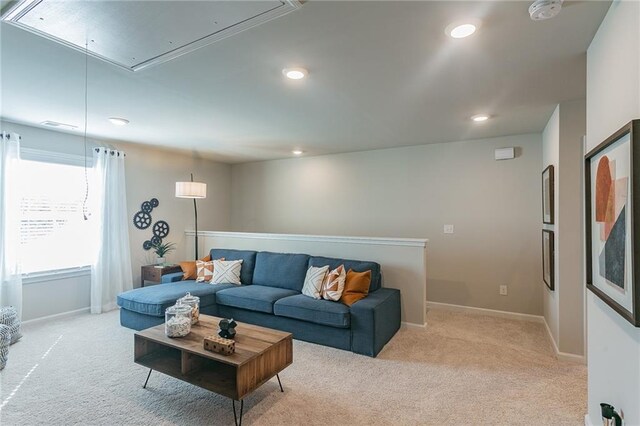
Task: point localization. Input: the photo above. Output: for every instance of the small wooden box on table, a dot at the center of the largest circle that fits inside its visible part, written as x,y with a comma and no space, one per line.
219,345
260,354
154,273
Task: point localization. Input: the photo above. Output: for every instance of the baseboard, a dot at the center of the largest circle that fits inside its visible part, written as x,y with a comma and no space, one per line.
563,356
58,316
587,420
484,311
412,325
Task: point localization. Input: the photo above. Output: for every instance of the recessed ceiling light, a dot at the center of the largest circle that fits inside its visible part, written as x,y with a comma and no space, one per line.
295,73
117,121
59,125
297,152
480,118
461,30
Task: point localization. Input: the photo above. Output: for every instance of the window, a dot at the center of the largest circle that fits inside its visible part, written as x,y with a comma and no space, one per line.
53,232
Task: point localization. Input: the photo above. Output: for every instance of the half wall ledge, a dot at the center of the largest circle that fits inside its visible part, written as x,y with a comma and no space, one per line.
403,260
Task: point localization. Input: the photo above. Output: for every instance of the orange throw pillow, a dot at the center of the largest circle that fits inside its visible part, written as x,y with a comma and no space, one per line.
356,287
189,268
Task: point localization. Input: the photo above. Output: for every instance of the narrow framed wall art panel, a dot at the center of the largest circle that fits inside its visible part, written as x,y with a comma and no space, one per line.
548,254
548,198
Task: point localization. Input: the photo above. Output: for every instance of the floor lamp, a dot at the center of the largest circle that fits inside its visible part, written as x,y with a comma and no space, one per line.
194,190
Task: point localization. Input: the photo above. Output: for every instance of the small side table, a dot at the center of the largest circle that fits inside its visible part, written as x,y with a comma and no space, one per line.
154,274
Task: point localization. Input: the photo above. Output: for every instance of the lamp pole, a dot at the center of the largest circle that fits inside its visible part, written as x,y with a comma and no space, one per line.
195,211
193,190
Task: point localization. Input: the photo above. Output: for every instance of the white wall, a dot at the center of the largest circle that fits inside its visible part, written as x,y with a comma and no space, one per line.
613,99
150,172
550,157
412,192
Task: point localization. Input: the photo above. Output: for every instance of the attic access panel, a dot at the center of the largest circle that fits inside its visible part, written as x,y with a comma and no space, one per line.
138,34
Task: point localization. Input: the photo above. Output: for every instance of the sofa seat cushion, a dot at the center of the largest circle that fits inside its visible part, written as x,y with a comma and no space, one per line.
322,312
154,300
253,297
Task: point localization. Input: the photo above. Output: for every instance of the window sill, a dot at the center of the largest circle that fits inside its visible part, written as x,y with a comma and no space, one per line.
59,274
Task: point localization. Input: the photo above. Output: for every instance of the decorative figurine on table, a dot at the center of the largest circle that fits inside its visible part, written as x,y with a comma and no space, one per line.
227,328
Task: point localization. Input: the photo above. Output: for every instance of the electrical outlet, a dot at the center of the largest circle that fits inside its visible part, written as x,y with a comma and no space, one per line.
448,229
503,290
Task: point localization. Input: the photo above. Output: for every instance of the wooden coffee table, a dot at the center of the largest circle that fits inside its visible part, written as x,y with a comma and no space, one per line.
261,353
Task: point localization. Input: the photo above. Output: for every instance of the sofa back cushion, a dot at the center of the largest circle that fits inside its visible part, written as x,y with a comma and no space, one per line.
355,265
248,258
281,270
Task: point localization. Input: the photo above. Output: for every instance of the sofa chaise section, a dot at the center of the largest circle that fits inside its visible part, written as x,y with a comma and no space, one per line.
144,307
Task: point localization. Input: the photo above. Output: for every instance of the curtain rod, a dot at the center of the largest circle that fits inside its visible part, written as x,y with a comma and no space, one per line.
112,151
7,135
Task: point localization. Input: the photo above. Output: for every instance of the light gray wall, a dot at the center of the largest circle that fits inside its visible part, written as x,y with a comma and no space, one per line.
150,172
570,218
562,148
412,192
613,99
153,172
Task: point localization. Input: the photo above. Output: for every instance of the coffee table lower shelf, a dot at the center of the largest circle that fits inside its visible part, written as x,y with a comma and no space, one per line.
214,377
234,376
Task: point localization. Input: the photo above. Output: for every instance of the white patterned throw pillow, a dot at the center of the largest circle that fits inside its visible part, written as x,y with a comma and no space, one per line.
312,286
226,272
333,284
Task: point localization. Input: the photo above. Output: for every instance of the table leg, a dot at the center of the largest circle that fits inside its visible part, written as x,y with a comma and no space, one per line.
279,382
145,382
235,417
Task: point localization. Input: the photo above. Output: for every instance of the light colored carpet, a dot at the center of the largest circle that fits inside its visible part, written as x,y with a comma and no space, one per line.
463,369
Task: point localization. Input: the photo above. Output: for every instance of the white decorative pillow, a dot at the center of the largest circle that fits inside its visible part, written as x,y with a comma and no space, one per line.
312,286
226,272
333,284
204,271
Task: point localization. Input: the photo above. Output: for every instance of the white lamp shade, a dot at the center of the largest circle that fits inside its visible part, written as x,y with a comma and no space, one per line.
191,190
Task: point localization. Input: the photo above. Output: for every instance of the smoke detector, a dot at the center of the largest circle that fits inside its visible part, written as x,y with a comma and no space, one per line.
544,9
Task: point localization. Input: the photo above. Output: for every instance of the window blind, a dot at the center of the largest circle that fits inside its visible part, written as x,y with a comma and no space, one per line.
53,232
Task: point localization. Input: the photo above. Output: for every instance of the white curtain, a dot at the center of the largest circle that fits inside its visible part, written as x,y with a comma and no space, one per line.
111,271
10,274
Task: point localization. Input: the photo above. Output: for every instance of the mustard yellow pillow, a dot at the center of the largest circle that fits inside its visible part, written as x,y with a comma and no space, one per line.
356,287
189,271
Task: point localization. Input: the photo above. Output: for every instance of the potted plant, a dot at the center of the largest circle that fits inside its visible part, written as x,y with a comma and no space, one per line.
161,251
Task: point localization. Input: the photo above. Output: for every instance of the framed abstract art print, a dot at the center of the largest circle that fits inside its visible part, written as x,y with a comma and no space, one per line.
612,185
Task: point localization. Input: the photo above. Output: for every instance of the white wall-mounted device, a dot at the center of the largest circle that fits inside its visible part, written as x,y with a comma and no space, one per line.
544,9
505,153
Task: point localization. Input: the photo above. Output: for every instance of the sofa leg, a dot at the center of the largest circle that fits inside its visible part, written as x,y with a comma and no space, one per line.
145,382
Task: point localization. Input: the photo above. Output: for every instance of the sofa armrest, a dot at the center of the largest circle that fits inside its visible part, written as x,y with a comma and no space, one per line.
374,321
172,278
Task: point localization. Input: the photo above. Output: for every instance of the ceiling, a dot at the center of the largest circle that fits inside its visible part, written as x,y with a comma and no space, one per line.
381,75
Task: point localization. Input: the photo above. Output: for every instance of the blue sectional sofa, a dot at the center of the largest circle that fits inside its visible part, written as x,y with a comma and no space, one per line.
270,295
